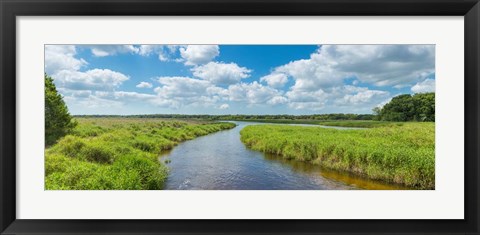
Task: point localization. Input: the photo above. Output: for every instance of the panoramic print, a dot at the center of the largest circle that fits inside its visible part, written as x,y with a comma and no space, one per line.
239,117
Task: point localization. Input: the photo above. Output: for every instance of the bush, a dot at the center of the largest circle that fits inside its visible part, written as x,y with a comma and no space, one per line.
151,173
69,146
98,151
56,163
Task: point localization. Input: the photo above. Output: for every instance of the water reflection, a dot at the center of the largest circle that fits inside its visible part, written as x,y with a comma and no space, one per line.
222,161
344,177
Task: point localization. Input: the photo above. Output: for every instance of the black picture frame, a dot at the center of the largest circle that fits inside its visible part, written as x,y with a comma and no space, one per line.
9,9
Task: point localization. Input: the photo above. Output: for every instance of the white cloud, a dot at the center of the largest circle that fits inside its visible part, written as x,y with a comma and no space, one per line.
95,79
102,93
356,99
109,50
164,52
199,54
89,99
63,66
312,74
252,93
75,93
363,97
163,57
103,99
345,98
99,53
97,102
61,57
314,100
144,85
319,80
277,100
124,96
380,65
224,106
146,50
383,65
129,96
276,80
221,73
427,85
176,92
181,87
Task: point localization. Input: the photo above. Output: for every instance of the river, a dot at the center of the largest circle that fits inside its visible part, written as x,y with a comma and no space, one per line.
221,161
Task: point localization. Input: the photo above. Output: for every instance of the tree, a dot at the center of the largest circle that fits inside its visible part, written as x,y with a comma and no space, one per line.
377,112
425,107
401,108
419,107
58,121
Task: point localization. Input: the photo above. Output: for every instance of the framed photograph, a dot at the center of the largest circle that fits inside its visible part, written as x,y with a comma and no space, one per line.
252,117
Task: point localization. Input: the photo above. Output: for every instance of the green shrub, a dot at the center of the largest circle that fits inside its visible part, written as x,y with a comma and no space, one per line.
98,152
117,153
56,163
69,146
151,174
88,131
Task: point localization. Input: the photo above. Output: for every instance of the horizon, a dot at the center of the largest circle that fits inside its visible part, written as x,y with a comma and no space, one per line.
127,80
203,114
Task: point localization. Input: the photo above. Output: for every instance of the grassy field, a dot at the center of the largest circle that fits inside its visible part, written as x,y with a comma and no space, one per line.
400,153
360,123
341,123
284,121
118,153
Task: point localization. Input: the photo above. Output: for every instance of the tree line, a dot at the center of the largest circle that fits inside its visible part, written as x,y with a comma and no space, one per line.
332,116
419,107
406,107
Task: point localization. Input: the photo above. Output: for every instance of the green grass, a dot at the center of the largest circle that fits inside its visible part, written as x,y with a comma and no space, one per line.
341,123
283,121
360,123
118,153
402,154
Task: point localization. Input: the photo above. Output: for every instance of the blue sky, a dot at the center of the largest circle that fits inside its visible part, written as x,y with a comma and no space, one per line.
237,79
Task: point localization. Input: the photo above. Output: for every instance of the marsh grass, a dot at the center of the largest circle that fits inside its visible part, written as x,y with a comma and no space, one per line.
359,123
340,123
402,154
118,153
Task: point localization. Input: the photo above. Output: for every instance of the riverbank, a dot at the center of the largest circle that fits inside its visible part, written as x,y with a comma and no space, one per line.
118,153
402,154
338,123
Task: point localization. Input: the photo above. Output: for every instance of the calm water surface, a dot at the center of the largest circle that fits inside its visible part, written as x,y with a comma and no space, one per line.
221,161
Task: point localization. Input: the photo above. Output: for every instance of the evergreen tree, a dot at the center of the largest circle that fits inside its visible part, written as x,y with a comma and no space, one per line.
58,121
